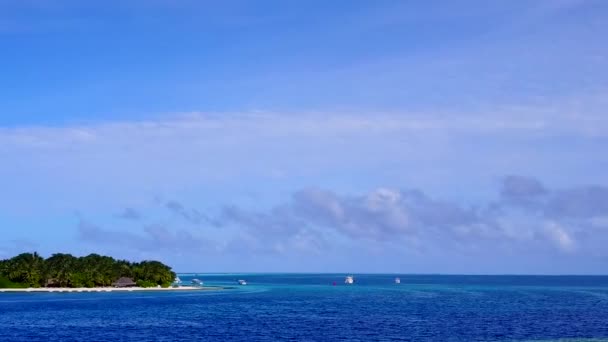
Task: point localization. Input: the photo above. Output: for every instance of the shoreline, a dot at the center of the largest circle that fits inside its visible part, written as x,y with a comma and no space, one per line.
108,289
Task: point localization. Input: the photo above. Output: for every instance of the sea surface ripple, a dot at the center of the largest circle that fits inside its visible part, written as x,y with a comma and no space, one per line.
308,307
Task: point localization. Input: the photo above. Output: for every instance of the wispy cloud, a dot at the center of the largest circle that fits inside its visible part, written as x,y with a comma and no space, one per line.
527,214
525,217
190,215
152,238
194,150
129,214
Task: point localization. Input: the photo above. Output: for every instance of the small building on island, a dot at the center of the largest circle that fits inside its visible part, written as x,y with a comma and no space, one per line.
51,283
124,282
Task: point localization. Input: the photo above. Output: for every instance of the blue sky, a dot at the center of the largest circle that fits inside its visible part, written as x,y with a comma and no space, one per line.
349,136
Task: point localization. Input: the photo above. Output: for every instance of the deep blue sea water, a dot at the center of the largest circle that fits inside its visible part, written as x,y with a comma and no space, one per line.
307,307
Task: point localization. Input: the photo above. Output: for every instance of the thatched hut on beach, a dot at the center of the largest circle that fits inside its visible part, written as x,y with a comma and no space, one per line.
124,282
51,283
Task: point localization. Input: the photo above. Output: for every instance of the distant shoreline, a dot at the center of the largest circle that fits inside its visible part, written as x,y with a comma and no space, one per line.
109,289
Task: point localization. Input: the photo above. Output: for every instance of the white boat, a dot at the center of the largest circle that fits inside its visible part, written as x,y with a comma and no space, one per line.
349,280
177,280
397,280
242,282
197,282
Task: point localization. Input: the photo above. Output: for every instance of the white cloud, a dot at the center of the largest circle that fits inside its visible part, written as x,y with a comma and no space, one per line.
385,216
209,160
599,221
560,237
576,116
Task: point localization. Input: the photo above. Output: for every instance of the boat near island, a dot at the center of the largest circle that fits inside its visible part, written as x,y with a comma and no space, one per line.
349,280
197,282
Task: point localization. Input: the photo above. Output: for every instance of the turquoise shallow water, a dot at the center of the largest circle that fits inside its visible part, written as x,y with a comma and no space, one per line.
308,307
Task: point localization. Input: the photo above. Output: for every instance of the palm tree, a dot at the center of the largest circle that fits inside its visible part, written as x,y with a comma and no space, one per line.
30,269
26,268
60,268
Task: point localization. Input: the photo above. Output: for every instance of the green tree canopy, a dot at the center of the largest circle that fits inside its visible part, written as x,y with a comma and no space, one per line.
66,270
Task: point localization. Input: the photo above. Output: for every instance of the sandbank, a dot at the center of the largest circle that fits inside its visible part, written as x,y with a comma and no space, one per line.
112,289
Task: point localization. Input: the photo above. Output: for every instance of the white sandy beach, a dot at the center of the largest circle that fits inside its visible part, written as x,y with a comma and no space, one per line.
110,289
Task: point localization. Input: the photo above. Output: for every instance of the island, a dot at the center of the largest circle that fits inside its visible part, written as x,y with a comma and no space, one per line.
67,273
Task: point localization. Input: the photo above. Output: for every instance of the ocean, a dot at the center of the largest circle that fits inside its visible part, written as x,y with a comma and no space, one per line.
309,307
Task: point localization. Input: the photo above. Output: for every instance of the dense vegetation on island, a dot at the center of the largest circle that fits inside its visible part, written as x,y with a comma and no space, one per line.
65,270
